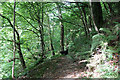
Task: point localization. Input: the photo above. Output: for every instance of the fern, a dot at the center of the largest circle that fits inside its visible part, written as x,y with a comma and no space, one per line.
106,30
97,40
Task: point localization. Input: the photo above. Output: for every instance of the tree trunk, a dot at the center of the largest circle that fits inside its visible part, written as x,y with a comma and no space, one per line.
18,38
110,9
14,42
96,12
85,18
52,48
51,42
84,13
62,28
105,7
41,39
20,53
90,23
40,23
82,18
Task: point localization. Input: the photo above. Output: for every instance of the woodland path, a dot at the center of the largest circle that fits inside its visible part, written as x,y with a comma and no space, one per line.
61,67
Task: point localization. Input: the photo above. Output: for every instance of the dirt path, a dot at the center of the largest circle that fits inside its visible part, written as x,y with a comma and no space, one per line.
62,67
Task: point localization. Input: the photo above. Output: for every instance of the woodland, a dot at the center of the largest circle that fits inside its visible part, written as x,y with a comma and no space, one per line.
59,40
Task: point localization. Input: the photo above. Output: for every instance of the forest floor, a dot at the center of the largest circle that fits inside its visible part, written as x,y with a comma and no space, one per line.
64,67
61,67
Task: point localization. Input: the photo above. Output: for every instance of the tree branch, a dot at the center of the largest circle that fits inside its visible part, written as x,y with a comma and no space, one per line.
9,22
27,21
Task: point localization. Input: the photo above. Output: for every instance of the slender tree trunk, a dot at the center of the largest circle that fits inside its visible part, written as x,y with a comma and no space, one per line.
14,42
106,7
40,23
20,53
82,18
18,38
85,18
52,48
62,27
42,41
41,38
51,42
110,8
84,13
67,39
90,22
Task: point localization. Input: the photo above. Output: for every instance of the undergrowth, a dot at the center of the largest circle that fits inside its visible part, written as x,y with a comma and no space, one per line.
103,66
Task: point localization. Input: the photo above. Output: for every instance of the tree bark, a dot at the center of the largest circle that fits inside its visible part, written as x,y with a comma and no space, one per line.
62,27
85,18
96,12
18,38
20,53
14,41
51,42
40,23
82,18
41,38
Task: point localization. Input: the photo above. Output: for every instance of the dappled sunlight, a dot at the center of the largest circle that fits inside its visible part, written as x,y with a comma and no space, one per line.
59,39
66,69
76,74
